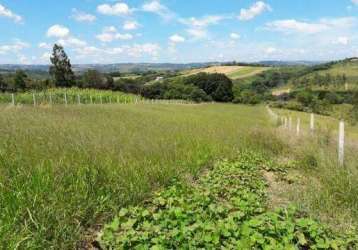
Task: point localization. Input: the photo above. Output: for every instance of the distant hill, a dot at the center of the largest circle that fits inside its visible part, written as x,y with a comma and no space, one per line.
233,72
107,68
290,63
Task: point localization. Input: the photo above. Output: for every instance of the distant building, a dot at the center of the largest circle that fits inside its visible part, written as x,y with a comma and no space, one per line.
159,78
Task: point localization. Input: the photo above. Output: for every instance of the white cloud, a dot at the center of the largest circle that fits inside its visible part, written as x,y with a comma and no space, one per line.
234,36
294,26
270,50
176,39
118,9
157,8
4,12
72,42
255,10
355,2
82,16
139,50
110,34
202,22
14,47
44,45
58,31
342,40
197,33
197,27
45,57
130,25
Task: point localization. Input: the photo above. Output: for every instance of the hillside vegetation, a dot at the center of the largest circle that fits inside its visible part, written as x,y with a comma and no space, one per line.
233,72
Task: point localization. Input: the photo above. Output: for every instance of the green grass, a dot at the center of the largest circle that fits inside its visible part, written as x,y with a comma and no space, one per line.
247,72
325,189
73,95
65,169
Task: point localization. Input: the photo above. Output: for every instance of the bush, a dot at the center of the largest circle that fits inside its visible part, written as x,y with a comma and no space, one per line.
128,86
248,97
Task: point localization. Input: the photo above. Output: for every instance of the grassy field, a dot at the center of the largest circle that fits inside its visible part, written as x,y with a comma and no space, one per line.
65,169
234,72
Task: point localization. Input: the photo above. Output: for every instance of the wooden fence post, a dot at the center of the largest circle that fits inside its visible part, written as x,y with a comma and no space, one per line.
50,99
91,99
341,144
290,123
65,98
101,101
79,99
13,99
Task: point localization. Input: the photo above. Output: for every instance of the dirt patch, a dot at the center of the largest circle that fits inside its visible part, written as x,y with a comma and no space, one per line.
276,190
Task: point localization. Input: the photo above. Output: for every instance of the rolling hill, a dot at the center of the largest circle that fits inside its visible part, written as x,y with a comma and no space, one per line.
233,72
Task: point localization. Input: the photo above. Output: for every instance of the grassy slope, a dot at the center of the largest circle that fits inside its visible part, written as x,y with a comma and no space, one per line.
234,72
64,169
349,68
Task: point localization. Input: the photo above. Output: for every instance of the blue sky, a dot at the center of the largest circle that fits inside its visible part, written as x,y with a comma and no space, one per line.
111,31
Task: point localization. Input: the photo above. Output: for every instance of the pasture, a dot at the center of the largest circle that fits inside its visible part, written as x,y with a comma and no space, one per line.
233,72
64,169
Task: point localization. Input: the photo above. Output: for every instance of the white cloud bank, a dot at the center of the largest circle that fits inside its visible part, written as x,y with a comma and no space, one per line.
117,9
58,31
4,12
110,34
81,16
255,10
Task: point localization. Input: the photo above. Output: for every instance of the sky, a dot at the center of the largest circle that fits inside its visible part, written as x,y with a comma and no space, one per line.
178,31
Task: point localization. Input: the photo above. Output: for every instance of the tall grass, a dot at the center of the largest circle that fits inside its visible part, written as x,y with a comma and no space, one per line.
63,170
73,96
326,189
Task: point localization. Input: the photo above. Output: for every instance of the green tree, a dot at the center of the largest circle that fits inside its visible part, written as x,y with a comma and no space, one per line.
61,69
20,80
3,85
218,86
92,79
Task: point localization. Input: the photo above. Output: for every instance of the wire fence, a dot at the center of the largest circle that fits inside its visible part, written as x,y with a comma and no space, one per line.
294,127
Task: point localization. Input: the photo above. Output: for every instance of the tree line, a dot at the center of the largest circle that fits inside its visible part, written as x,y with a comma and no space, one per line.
150,84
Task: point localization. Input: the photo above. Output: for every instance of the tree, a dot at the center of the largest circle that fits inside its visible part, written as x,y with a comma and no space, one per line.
3,85
93,79
61,69
218,86
20,80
